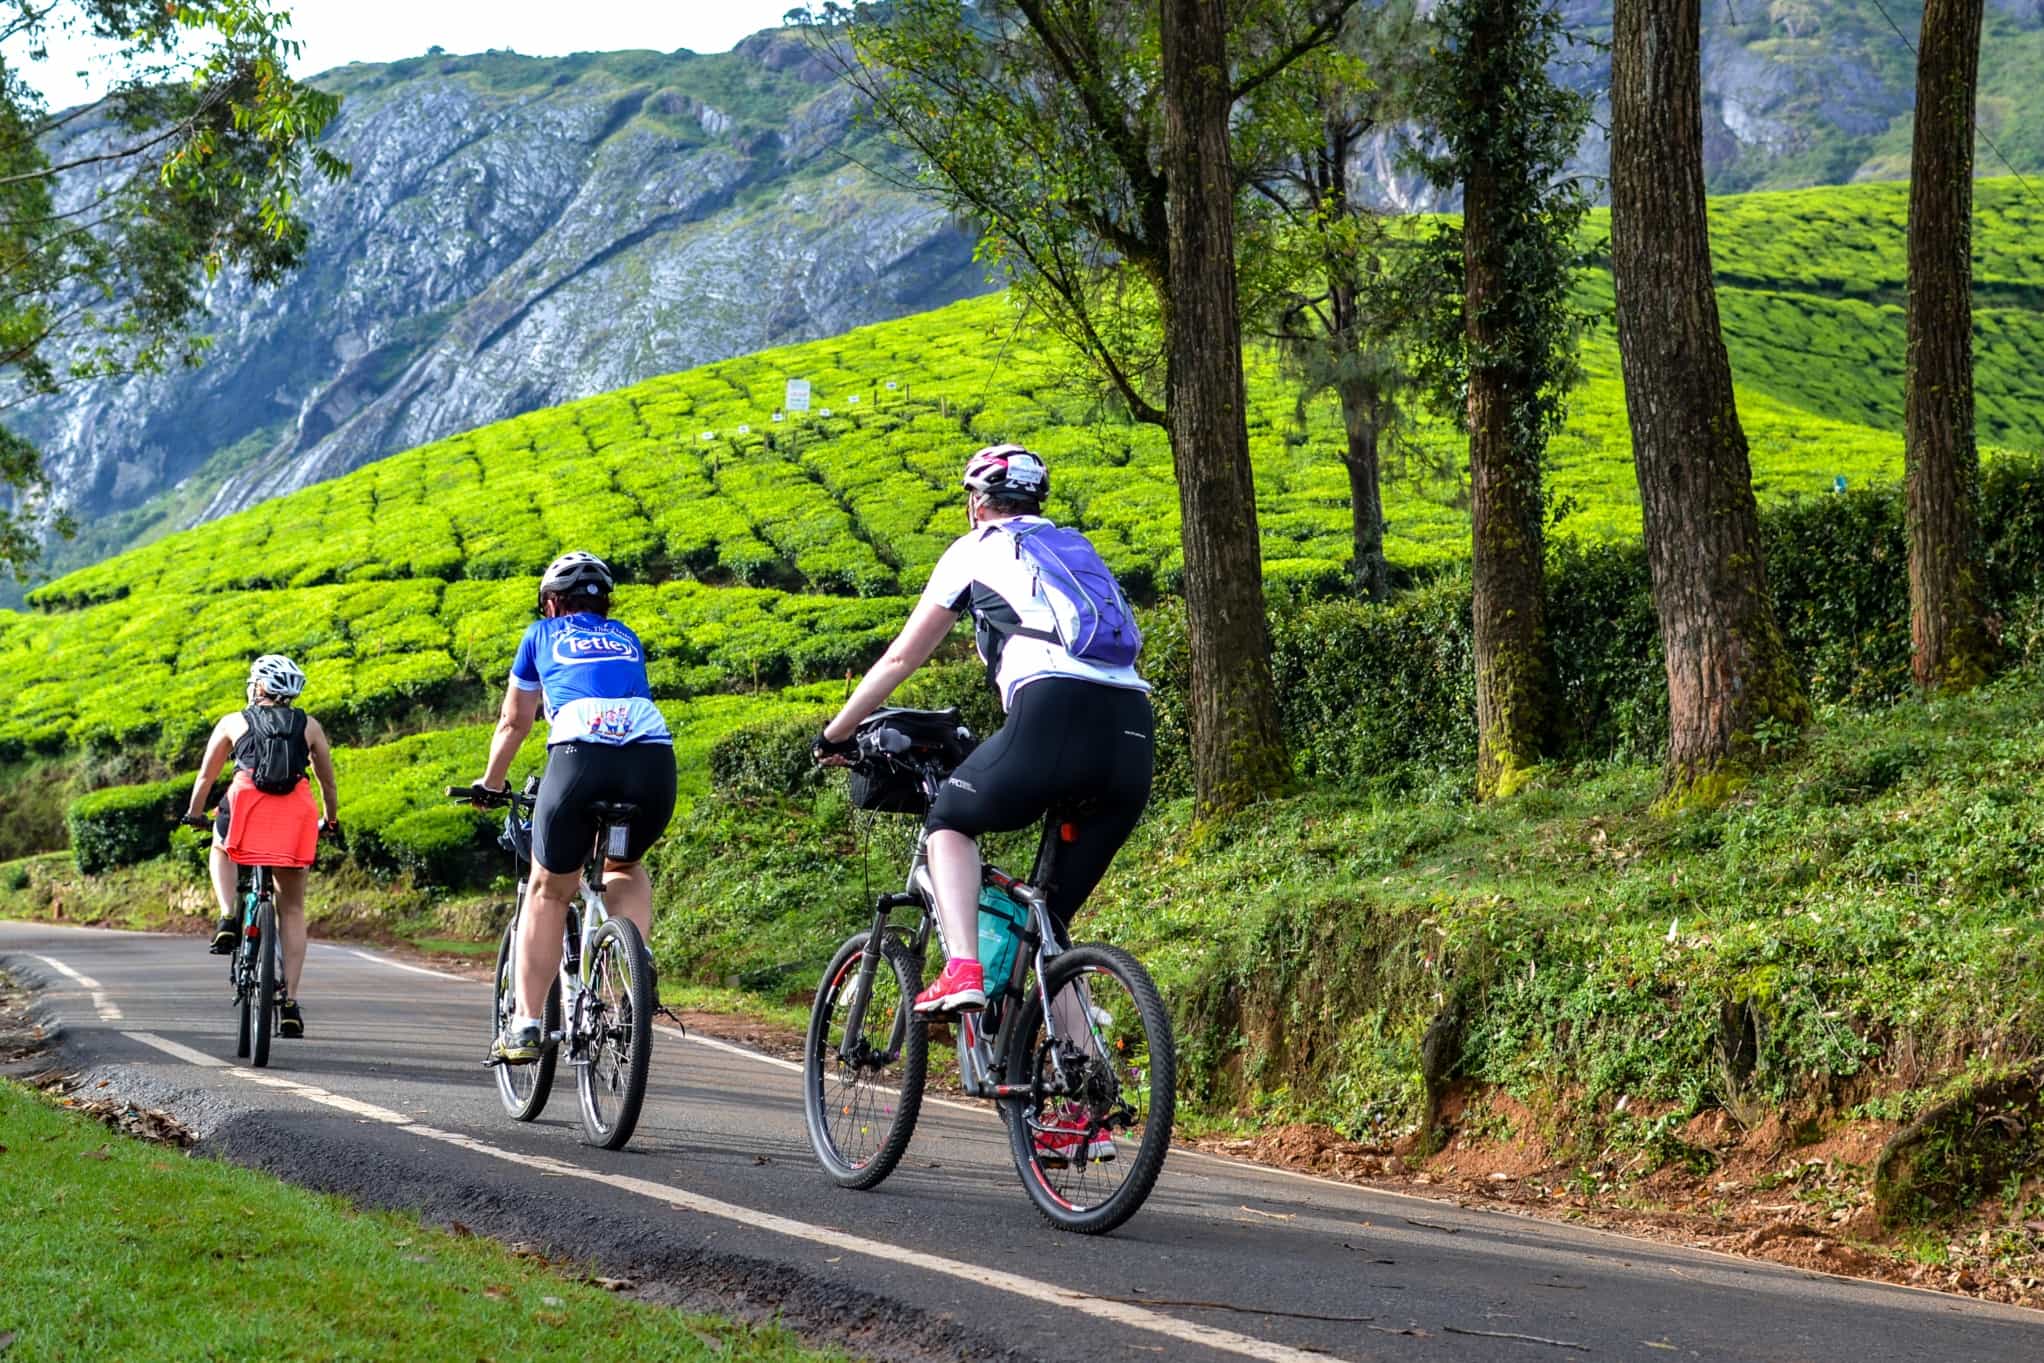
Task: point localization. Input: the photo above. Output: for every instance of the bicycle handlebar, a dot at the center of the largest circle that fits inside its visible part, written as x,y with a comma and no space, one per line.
487,798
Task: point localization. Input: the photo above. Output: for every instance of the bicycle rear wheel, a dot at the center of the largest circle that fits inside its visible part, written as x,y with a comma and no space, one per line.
861,1094
523,1088
242,972
268,979
617,1013
1090,1138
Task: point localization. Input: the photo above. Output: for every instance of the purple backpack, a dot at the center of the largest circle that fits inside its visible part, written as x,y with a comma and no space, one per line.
1095,622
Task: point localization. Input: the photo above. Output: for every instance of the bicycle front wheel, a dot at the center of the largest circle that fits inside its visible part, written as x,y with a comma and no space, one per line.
1089,1139
268,979
616,1021
861,1092
523,1088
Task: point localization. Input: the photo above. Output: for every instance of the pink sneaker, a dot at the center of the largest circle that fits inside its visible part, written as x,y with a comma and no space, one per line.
1063,1132
960,989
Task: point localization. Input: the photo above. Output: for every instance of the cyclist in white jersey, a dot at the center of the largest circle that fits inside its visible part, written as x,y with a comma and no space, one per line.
1078,736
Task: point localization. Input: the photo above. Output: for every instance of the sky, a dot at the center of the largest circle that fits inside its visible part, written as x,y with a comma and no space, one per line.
336,32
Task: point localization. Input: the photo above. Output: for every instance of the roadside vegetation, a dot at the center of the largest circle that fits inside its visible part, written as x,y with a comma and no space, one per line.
118,1248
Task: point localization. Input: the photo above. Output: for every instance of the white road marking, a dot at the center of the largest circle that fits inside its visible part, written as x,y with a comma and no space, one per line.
731,1047
320,1095
82,981
1121,1313
397,965
102,1003
172,1048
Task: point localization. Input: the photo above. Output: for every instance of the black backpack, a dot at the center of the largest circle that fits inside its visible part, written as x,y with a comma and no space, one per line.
273,752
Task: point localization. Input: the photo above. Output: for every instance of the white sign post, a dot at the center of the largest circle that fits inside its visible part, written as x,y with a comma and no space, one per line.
798,395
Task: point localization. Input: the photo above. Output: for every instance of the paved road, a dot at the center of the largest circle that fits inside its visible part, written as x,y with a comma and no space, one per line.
718,1200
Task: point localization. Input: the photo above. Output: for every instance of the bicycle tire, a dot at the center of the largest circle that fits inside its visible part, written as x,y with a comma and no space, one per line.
268,979
1155,1073
523,1089
824,1088
614,1075
244,995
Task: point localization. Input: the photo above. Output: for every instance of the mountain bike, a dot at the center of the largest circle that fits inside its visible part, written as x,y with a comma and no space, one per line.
1074,1047
256,969
599,1011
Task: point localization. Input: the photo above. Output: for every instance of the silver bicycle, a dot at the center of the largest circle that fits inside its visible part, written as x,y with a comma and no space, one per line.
1074,1047
599,1011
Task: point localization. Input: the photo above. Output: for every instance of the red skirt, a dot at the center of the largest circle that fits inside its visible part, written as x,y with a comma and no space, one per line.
271,830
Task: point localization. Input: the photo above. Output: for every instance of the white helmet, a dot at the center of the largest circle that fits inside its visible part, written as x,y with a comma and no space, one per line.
1007,471
575,574
275,675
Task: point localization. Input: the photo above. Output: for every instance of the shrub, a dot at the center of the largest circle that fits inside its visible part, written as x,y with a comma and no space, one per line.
770,758
124,824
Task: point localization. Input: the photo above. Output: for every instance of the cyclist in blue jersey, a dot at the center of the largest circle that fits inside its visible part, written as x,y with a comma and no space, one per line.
606,743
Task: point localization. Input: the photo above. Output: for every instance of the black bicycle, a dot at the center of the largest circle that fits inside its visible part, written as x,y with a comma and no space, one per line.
600,1007
1074,1047
256,969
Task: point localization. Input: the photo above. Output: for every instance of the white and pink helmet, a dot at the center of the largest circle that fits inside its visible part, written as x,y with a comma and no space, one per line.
1007,471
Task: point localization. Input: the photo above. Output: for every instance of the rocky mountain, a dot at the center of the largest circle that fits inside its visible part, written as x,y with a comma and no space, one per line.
521,231
517,232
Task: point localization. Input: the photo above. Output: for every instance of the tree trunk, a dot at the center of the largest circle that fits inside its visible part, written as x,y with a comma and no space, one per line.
1363,418
1238,752
1509,590
1951,648
1729,673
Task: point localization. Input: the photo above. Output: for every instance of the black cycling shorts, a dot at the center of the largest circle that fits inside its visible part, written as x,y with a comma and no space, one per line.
581,774
1075,751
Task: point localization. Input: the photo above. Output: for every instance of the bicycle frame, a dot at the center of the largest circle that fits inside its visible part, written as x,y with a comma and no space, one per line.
260,887
576,964
976,1061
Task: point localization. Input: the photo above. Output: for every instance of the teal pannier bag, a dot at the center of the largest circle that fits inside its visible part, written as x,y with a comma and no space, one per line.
1001,923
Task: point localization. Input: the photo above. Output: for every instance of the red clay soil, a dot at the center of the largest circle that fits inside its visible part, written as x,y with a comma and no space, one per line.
1765,1196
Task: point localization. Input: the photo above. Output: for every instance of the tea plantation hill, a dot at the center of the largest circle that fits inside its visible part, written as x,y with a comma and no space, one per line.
764,555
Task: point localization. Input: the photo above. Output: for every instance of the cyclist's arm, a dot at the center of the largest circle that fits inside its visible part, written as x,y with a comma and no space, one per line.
927,625
323,769
218,748
514,722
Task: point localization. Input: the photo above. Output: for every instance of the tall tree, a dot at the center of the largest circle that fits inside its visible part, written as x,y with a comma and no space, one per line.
1509,131
1333,297
1951,647
1093,140
1729,674
115,215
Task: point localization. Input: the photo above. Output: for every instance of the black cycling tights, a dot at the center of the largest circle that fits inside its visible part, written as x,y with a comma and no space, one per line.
1074,751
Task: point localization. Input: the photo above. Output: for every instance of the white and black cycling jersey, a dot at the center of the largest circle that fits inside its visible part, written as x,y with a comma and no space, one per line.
983,573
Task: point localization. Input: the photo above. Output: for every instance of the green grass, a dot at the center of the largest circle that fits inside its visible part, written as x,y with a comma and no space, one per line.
117,1249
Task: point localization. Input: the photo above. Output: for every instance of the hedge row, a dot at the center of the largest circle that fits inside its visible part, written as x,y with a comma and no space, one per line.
125,824
394,808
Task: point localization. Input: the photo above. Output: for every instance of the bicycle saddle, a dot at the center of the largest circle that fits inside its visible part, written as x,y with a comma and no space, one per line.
613,813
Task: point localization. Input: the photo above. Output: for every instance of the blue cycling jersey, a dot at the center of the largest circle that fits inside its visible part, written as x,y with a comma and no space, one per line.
592,674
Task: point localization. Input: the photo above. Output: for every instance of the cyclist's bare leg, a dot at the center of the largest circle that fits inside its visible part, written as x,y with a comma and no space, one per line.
291,922
954,870
547,896
628,893
224,887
